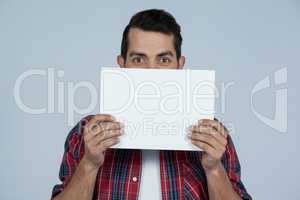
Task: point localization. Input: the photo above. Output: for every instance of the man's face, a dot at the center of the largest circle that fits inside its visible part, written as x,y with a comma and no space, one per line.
148,49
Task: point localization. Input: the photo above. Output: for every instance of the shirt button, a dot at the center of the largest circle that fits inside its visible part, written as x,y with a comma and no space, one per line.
134,179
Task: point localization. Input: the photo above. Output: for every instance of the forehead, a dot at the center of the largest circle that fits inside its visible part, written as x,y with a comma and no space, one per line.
149,41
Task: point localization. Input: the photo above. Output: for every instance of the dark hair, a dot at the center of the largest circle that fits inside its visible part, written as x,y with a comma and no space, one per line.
153,20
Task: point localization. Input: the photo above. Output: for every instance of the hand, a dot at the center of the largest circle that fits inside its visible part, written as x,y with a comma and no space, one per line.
100,133
211,137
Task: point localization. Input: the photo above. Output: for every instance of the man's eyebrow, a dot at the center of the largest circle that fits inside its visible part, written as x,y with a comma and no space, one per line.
136,54
167,53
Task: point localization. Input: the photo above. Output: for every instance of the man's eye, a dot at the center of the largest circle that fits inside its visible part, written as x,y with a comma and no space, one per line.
137,60
165,60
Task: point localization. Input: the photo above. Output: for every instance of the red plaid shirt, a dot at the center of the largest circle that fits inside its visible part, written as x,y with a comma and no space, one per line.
181,173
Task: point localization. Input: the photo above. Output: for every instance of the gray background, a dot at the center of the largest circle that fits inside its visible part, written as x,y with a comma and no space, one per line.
243,41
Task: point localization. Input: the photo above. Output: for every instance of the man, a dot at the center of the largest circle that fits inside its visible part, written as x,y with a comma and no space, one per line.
92,170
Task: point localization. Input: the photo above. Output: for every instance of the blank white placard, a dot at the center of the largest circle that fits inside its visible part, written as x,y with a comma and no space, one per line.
157,105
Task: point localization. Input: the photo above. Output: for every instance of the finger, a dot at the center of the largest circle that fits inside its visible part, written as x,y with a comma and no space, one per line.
111,134
205,147
105,135
104,118
206,138
110,126
215,124
98,128
106,126
92,124
101,118
109,143
203,129
200,129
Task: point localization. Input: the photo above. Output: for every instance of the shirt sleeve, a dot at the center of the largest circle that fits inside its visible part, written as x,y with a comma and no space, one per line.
73,151
232,166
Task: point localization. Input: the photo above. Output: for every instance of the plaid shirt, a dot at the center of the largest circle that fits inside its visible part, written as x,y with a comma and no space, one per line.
181,173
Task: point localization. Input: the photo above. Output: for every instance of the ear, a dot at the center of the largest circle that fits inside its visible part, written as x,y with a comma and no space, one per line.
121,61
181,62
